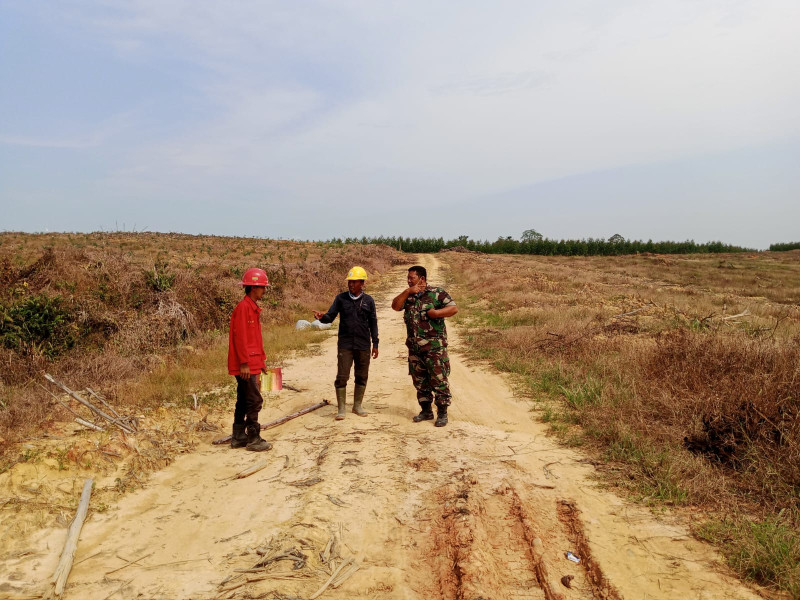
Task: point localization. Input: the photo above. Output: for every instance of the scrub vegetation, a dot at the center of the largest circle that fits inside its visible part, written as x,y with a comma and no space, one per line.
144,317
681,374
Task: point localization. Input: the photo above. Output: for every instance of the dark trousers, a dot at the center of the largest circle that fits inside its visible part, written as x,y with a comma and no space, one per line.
345,360
248,399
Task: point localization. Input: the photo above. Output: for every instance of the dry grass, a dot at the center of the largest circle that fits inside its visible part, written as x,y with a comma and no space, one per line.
144,317
682,372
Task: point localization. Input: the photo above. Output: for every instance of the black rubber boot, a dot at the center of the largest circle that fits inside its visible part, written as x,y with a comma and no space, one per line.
426,414
239,435
255,442
341,400
358,397
441,416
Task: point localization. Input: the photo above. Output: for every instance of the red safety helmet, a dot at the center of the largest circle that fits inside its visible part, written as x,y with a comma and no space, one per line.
255,278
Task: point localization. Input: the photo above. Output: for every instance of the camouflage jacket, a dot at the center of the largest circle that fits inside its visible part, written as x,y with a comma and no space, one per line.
423,332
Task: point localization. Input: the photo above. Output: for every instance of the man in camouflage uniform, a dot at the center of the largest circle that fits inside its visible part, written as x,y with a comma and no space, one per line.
425,309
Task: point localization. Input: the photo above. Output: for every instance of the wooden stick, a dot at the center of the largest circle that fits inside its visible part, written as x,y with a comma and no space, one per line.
56,398
345,575
78,418
746,313
330,579
280,421
68,554
633,312
85,423
249,471
106,404
119,589
129,563
88,404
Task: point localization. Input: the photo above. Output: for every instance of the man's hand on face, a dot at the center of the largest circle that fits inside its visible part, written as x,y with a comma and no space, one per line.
418,287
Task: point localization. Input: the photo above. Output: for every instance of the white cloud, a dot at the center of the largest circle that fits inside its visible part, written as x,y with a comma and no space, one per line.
77,139
413,102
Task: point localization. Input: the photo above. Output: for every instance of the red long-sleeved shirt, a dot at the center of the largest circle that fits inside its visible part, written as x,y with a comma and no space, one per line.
245,344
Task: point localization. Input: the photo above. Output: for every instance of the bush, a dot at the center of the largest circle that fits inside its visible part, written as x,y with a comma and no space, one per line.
38,325
159,279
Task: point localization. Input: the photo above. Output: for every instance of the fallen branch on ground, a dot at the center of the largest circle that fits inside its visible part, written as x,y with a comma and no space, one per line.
85,423
280,421
249,471
68,554
129,563
345,575
330,579
89,405
103,402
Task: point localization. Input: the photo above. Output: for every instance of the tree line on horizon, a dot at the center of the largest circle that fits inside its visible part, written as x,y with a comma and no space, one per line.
784,247
534,243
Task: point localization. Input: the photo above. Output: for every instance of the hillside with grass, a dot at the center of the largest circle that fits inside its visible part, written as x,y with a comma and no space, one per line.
144,317
681,374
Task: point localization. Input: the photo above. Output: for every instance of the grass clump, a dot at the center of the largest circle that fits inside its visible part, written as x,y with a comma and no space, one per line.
159,279
765,551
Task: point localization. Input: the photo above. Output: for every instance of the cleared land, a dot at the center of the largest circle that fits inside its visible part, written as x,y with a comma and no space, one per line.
484,508
676,376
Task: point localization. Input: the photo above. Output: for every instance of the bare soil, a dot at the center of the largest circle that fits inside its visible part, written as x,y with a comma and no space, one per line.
485,508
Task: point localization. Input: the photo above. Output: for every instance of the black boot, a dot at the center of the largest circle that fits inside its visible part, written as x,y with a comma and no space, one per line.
254,439
239,436
426,414
441,416
358,397
341,399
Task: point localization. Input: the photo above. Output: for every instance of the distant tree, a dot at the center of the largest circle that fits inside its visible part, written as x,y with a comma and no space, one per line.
531,235
616,239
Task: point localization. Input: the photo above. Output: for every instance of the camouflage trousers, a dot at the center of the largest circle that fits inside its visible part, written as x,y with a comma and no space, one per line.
429,371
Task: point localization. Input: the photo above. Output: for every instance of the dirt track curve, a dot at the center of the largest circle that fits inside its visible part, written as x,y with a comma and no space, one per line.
485,508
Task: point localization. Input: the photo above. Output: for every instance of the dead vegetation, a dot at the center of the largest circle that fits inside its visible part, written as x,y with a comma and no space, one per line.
683,372
317,560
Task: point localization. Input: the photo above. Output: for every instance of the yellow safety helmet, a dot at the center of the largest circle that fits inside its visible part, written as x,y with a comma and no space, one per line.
357,273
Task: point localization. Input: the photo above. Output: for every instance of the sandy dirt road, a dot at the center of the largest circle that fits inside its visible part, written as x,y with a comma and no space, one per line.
485,508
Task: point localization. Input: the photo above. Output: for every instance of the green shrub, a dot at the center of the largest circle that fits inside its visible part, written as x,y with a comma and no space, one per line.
38,325
159,279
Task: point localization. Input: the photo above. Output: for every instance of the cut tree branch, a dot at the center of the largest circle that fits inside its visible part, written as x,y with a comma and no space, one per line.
68,554
280,421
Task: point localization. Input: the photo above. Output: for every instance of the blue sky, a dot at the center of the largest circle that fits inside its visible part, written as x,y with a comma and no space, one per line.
662,119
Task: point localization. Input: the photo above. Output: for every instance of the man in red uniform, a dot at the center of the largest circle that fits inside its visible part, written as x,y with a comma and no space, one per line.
246,361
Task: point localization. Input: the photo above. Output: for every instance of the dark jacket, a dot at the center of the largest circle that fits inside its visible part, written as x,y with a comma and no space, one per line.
359,321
